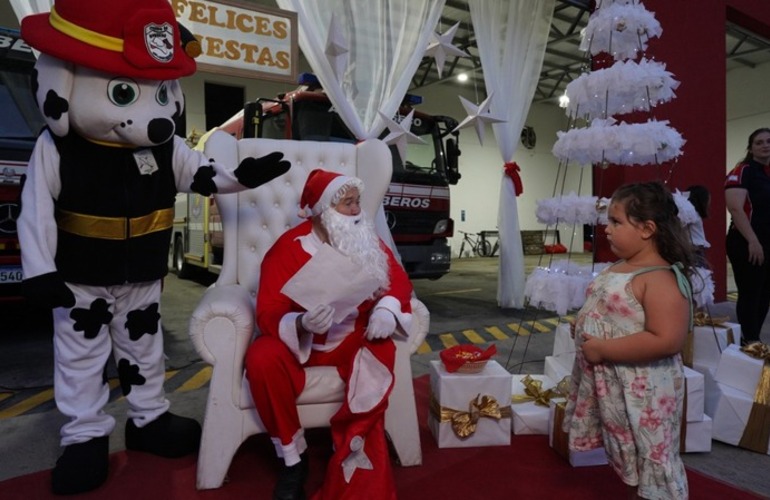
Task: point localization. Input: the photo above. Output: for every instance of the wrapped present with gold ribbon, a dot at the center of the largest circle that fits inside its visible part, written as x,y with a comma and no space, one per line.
559,440
739,369
696,436
742,418
711,336
470,409
695,395
532,396
564,346
555,369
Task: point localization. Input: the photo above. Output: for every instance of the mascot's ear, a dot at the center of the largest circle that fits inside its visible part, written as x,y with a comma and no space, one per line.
52,91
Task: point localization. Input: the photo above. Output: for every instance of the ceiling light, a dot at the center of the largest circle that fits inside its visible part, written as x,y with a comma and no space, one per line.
563,101
462,77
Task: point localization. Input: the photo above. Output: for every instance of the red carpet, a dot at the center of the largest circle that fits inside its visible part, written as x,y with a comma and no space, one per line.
527,469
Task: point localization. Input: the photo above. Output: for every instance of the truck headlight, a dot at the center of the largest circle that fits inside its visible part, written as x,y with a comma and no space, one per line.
441,226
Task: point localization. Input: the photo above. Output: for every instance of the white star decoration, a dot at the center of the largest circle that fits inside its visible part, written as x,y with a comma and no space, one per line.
478,116
400,133
336,48
441,46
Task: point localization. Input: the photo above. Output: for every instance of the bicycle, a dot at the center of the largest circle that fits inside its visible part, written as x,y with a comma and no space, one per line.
478,246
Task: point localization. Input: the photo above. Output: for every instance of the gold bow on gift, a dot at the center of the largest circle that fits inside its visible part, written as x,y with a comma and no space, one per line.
464,422
701,318
533,391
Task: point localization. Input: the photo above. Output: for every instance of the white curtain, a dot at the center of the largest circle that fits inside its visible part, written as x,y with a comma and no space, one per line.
511,36
385,40
24,8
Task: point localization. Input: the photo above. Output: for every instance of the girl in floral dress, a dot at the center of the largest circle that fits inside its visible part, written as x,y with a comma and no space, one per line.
628,381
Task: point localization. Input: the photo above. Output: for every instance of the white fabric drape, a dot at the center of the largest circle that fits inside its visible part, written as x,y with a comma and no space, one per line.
385,39
511,36
24,8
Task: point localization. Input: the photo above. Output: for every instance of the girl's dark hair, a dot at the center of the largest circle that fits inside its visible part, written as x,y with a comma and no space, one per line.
653,201
758,131
699,197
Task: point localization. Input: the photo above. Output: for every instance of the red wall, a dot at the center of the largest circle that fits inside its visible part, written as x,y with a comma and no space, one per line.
692,46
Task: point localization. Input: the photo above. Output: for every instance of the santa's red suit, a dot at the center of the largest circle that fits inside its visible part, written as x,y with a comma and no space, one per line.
360,466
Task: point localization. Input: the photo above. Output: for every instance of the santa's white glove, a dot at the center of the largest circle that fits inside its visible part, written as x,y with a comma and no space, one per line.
318,319
382,324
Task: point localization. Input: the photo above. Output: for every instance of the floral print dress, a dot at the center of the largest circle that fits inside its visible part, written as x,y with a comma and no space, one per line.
633,410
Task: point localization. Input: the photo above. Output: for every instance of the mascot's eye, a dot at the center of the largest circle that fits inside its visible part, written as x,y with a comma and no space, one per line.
162,94
122,91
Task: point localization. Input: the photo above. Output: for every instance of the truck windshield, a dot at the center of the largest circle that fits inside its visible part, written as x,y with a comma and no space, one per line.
21,117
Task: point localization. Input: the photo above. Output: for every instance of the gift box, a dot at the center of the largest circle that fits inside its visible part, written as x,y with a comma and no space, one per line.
531,398
470,409
564,346
695,401
739,370
710,388
697,436
709,341
555,369
738,422
559,440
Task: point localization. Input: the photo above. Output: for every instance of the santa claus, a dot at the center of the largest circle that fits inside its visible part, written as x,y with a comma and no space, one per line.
358,345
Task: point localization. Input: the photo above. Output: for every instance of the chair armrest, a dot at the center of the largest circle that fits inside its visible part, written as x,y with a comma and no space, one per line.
222,325
420,325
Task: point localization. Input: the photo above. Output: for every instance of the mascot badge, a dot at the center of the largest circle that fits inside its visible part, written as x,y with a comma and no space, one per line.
97,216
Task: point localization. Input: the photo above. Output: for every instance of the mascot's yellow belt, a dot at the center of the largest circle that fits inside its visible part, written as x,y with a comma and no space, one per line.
114,228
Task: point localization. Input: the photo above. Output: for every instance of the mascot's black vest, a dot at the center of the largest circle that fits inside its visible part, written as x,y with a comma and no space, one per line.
114,213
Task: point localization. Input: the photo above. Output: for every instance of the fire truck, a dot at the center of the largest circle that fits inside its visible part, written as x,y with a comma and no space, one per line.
416,205
20,123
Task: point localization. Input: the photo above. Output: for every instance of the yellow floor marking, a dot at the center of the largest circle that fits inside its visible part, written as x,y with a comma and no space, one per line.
497,333
450,292
553,321
539,326
27,404
424,348
473,336
5,396
448,340
516,327
196,381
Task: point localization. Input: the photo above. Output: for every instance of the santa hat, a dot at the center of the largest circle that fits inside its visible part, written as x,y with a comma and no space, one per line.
320,188
137,39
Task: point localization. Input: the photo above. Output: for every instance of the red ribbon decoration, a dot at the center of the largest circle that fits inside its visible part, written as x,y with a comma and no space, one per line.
512,170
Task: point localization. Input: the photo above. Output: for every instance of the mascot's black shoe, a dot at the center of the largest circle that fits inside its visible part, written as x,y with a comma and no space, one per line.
291,480
169,436
82,467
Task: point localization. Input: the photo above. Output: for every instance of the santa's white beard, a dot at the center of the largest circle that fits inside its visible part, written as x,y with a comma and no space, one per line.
354,236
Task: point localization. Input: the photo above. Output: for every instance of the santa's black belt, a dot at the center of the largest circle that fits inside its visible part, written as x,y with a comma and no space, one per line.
114,228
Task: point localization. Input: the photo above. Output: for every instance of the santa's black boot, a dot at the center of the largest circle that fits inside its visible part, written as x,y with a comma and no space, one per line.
169,436
82,467
291,480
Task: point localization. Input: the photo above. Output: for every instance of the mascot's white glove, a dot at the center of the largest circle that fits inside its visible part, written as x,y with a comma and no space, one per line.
318,319
382,324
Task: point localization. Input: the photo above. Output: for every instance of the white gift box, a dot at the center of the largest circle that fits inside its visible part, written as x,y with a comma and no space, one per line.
698,436
710,386
555,369
564,345
576,458
732,414
457,390
695,394
710,341
739,370
528,417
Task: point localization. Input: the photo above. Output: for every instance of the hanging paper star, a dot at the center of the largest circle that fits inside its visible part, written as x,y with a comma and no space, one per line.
441,46
400,133
336,48
478,116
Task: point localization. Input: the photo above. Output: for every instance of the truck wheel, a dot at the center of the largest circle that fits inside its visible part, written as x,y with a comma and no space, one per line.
181,267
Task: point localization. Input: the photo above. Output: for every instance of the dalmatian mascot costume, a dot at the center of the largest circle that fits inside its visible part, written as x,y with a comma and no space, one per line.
97,216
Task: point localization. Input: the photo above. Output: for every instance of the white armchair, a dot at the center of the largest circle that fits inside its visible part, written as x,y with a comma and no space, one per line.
223,326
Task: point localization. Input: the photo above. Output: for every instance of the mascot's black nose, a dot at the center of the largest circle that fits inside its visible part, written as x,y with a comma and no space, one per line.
160,130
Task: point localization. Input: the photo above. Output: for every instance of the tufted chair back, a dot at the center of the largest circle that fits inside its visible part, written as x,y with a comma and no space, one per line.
254,219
